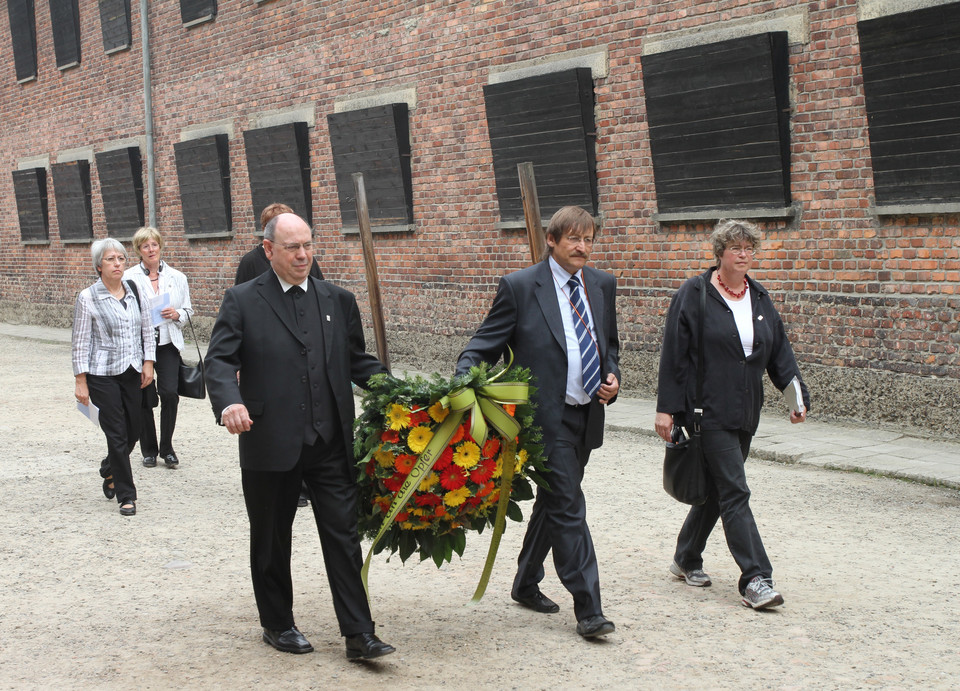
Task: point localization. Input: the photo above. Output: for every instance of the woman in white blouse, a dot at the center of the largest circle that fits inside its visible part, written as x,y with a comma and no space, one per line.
113,356
164,287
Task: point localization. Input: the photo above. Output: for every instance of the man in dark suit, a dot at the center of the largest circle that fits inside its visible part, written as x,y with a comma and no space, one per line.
559,318
297,344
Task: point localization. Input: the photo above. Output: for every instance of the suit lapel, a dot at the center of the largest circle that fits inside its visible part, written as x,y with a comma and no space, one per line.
271,292
325,303
547,297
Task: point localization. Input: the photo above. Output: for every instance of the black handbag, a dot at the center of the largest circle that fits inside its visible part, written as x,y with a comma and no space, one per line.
190,379
684,473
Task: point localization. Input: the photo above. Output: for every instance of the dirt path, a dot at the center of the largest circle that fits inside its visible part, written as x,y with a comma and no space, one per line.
89,599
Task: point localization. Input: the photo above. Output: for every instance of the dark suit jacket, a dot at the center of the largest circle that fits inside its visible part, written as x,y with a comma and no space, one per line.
525,315
255,262
255,334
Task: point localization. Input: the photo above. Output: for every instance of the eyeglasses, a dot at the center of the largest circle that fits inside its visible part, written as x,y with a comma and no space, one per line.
115,259
575,240
294,247
737,249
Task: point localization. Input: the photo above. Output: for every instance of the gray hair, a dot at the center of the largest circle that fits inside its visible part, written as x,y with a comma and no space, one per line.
100,247
270,230
728,231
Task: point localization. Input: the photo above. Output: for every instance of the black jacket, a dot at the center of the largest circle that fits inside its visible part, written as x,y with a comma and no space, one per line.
732,383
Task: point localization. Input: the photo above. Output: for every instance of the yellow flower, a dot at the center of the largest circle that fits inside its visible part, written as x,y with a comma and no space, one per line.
429,481
467,455
418,438
521,459
456,497
498,469
398,416
384,457
407,525
418,512
438,413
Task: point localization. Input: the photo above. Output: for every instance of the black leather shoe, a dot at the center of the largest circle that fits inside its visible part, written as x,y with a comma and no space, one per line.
149,461
108,491
128,508
302,501
171,460
289,641
366,646
597,625
538,602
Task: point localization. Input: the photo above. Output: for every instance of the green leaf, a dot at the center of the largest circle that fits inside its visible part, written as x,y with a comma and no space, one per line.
458,539
514,512
408,544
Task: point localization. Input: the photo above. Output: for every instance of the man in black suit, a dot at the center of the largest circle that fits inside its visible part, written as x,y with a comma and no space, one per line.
559,317
255,262
297,344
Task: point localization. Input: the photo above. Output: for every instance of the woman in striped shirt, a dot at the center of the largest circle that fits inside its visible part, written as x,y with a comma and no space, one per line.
113,355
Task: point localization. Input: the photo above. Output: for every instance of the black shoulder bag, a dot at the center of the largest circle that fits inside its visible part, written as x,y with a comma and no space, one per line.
684,475
190,382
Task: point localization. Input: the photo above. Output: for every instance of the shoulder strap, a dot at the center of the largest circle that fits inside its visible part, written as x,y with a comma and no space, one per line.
698,402
136,293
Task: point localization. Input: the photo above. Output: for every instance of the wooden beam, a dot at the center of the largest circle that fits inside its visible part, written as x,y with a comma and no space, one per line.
531,211
370,269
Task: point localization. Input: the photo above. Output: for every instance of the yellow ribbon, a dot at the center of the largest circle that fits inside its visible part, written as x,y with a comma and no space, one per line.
485,405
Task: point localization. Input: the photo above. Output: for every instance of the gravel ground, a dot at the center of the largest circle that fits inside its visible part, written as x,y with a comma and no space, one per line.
89,599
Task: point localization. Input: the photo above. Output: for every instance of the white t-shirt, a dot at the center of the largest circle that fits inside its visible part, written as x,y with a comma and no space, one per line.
743,314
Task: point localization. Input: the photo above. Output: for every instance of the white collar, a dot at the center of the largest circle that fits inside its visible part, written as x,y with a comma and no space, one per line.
287,286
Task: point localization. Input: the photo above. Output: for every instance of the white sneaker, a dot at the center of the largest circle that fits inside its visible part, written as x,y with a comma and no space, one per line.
695,577
760,594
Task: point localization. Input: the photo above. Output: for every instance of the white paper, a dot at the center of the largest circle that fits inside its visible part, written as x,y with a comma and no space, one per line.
91,411
158,303
793,396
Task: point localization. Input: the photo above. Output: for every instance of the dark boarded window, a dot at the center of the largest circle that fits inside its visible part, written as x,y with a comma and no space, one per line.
30,189
115,24
547,120
65,20
23,33
376,142
278,163
71,189
719,124
911,81
203,169
121,188
197,11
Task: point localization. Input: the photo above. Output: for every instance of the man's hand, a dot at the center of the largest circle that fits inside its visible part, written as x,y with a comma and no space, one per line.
608,390
663,423
236,418
797,416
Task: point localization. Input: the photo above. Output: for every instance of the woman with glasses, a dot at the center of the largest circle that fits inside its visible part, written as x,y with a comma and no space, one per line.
743,337
157,280
113,355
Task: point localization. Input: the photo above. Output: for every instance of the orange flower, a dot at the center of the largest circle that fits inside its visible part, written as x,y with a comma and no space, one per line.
458,435
491,447
486,489
440,510
404,463
511,409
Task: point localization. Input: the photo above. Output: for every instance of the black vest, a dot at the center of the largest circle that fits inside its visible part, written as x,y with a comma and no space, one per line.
320,417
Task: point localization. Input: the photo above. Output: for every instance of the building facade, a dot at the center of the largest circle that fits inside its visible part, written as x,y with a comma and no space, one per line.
832,125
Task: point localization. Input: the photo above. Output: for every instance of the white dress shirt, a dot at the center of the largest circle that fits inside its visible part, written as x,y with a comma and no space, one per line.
575,394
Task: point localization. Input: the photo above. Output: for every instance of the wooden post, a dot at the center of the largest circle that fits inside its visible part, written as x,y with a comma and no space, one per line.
370,269
531,211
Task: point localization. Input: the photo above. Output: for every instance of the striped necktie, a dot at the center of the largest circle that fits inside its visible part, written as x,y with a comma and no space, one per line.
589,353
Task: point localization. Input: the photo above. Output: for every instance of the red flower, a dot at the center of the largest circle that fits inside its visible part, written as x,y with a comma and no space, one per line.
486,489
440,511
404,463
394,483
390,435
453,477
402,516
419,418
472,501
483,471
369,469
491,447
426,499
444,459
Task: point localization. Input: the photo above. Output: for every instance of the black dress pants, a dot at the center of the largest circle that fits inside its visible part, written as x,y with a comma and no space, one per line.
118,398
558,522
729,498
271,499
166,370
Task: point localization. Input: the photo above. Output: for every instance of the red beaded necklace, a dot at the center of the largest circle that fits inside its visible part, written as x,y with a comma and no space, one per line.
735,296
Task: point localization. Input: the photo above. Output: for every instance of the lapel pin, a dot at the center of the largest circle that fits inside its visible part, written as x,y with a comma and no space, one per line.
328,317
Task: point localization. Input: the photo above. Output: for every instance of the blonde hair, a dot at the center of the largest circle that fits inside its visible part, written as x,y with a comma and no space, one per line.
144,234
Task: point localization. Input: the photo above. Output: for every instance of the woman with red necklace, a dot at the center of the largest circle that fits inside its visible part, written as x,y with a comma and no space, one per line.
743,337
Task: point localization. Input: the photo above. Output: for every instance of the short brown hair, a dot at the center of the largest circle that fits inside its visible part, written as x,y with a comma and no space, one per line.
731,230
570,218
272,210
144,234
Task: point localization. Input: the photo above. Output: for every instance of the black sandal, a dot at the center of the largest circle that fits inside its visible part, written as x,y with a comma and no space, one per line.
108,491
128,508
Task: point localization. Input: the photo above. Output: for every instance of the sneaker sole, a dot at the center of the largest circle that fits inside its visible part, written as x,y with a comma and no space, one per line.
772,602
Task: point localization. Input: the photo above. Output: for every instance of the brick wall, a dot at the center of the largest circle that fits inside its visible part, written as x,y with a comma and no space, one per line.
871,304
